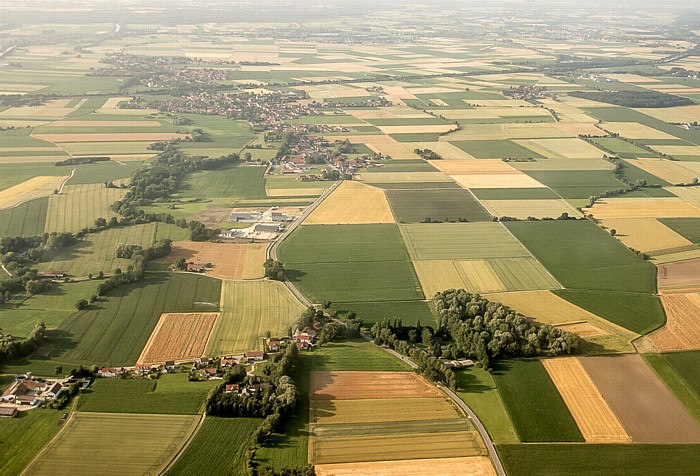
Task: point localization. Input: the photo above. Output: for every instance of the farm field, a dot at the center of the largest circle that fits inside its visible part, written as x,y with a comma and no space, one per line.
229,260
472,465
248,310
644,405
37,187
78,206
170,394
24,436
410,312
218,447
26,219
645,234
352,385
672,172
231,181
178,336
95,252
679,276
522,209
413,206
352,203
677,370
356,355
147,451
682,330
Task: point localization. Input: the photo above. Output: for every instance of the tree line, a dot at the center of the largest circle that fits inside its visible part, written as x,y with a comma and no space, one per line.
651,99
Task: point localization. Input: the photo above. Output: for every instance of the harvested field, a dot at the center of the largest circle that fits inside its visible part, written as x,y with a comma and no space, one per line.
682,329
645,234
78,206
229,260
468,466
248,310
523,209
647,409
671,171
573,148
445,149
68,123
674,114
178,337
378,410
497,181
370,385
420,129
583,329
146,451
112,137
461,241
597,422
635,130
609,208
404,177
473,167
352,203
680,275
479,275
690,194
381,144
439,275
36,187
523,274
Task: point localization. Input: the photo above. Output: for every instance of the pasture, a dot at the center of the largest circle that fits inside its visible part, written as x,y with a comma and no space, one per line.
230,181
410,312
78,206
352,203
178,336
356,355
24,436
218,447
533,403
26,219
248,310
644,405
412,206
595,419
229,260
148,450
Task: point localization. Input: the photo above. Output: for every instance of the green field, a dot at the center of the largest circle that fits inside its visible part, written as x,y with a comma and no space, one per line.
412,165
413,206
146,451
679,371
219,447
170,394
95,252
582,256
13,174
599,460
220,133
248,310
232,181
410,312
577,184
496,149
460,241
354,355
78,206
22,437
640,313
533,402
687,227
522,274
26,219
478,390
622,148
103,171
514,194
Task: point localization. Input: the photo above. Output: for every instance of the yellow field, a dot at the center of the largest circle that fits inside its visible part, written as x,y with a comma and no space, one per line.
67,123
468,466
548,308
580,126
417,129
682,329
403,177
497,181
610,208
477,132
678,149
583,329
473,167
690,194
393,112
41,186
352,203
525,208
645,234
178,337
381,144
474,276
635,130
564,164
670,171
77,206
562,148
674,114
595,419
376,410
445,149
51,109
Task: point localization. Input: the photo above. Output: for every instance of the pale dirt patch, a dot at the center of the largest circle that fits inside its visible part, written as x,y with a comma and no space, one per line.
112,103
229,260
635,130
41,186
679,275
583,329
473,167
671,171
468,466
178,337
523,209
497,181
645,234
367,385
616,208
112,137
682,328
352,203
595,419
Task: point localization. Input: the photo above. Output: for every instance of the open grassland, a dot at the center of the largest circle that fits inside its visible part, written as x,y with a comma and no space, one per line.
42,186
114,331
640,313
679,276
24,436
533,402
229,260
682,329
523,209
95,252
231,181
581,255
219,447
595,419
178,336
26,219
78,206
645,234
546,307
644,405
410,312
412,206
461,241
478,390
599,460
352,203
248,310
146,451
170,394
471,465
678,371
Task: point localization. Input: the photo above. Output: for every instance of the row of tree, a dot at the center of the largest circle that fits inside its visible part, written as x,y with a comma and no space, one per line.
10,348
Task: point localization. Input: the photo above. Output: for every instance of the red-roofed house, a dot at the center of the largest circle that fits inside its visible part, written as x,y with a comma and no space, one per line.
255,355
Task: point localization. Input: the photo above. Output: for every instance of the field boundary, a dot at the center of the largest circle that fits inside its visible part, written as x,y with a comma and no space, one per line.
185,445
533,256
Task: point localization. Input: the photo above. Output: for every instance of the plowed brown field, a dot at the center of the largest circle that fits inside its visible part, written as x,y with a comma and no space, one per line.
679,276
229,260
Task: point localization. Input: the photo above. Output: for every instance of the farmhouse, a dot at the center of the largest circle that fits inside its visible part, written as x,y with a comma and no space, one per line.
232,388
245,217
8,412
196,268
23,392
54,391
267,228
255,355
170,366
142,369
50,275
207,373
273,345
227,362
110,372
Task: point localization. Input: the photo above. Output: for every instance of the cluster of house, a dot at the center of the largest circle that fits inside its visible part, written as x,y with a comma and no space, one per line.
526,92
264,225
26,390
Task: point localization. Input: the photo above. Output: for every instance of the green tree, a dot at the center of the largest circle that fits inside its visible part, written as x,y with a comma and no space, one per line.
81,304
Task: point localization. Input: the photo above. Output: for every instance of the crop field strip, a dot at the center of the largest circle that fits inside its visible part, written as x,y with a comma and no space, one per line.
682,329
178,336
473,466
352,203
412,206
229,260
78,206
26,219
37,187
146,451
679,276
